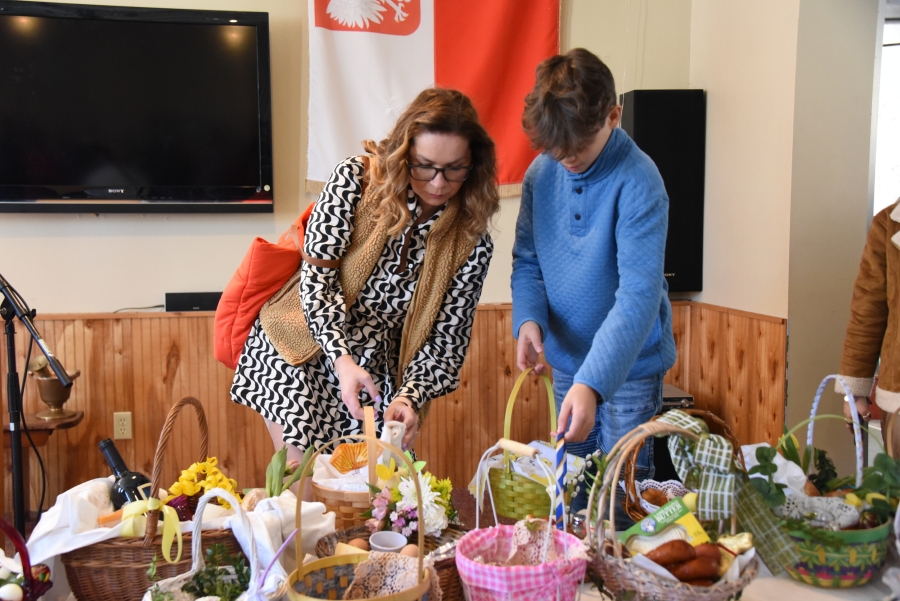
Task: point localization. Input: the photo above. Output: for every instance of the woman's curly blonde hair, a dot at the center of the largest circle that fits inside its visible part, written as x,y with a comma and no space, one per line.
435,110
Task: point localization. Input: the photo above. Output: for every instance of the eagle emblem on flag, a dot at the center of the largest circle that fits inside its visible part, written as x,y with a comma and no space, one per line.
396,17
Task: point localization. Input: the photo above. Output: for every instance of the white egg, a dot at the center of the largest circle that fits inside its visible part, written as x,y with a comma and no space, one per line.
4,573
11,592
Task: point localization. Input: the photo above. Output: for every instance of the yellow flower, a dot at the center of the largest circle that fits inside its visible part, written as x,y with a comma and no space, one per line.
201,477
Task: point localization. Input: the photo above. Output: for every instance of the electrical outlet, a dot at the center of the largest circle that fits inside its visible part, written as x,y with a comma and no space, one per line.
122,425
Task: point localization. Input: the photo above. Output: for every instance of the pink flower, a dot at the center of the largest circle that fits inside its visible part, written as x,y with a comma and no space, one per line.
374,525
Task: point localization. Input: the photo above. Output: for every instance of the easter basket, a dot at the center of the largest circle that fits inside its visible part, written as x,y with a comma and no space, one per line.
533,560
516,496
855,556
624,578
376,576
116,569
35,579
349,506
173,588
635,506
444,563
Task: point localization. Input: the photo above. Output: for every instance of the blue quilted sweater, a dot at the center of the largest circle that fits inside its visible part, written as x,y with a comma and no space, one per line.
588,266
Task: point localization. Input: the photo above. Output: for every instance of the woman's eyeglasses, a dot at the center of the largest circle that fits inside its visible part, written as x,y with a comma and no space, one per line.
426,173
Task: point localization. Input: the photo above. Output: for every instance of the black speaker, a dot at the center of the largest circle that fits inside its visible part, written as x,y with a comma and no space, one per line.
192,301
670,126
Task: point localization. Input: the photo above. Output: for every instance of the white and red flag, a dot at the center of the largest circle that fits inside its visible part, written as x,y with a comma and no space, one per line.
370,58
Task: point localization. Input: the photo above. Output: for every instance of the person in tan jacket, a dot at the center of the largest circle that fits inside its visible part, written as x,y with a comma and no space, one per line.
873,333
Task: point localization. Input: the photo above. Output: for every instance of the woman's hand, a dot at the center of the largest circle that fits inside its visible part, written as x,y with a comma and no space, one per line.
529,346
862,407
353,379
581,405
400,410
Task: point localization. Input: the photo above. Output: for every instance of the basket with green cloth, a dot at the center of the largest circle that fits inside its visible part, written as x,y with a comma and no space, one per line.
847,558
515,495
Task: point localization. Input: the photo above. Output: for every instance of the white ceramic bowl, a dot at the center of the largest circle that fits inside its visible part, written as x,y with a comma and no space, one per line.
387,541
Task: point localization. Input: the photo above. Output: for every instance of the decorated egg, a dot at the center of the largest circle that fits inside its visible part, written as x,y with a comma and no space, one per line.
11,592
40,572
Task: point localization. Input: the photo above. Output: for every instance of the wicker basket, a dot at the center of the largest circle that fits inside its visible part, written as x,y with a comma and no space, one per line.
451,588
516,496
348,507
623,578
632,501
116,569
329,577
861,553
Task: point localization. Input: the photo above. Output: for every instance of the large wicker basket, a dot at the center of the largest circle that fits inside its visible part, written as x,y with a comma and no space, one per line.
116,569
623,578
451,587
347,506
516,496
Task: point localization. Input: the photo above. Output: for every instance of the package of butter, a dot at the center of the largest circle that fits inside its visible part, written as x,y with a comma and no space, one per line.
672,521
547,454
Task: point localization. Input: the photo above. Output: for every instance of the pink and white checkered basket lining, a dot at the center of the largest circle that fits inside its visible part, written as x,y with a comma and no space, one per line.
558,579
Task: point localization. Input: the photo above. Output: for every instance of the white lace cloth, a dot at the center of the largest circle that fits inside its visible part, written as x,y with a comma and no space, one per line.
383,574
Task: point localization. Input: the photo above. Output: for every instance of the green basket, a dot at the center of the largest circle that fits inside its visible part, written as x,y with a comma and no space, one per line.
516,496
852,563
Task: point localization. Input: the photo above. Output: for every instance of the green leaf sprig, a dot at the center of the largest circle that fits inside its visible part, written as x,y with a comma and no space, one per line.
771,491
278,469
214,580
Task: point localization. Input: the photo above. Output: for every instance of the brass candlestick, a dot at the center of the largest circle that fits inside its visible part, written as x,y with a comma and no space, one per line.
50,390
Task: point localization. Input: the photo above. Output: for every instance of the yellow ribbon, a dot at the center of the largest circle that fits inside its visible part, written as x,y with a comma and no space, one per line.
171,527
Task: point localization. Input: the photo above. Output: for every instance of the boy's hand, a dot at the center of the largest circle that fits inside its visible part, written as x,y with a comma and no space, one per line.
581,405
353,379
529,347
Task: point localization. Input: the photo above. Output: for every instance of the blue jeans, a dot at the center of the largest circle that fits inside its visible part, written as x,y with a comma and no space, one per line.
634,404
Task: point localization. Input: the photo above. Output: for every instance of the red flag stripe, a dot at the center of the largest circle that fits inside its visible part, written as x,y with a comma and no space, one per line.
489,50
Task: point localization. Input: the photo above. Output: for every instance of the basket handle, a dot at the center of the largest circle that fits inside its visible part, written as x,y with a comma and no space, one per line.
197,549
481,480
617,457
372,442
152,515
507,420
29,586
371,449
857,431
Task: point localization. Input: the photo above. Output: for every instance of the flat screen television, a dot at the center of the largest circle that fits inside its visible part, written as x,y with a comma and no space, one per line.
134,110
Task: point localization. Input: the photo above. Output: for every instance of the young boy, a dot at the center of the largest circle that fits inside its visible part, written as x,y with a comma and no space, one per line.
587,282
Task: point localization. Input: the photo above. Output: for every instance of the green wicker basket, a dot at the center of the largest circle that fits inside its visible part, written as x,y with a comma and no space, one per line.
516,496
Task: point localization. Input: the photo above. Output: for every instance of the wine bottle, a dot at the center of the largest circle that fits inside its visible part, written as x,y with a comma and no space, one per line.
125,488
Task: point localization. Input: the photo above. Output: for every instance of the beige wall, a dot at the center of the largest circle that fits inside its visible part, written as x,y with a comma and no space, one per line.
743,54
82,263
831,197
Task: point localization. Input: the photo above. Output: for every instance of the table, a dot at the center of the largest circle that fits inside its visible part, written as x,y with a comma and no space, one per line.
40,430
768,588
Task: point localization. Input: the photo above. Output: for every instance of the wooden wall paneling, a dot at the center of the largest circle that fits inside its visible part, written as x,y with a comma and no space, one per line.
679,374
732,362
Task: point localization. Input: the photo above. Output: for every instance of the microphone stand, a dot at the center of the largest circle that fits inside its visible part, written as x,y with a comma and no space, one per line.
14,306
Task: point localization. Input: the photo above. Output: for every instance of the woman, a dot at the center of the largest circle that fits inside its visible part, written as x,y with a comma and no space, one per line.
414,211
